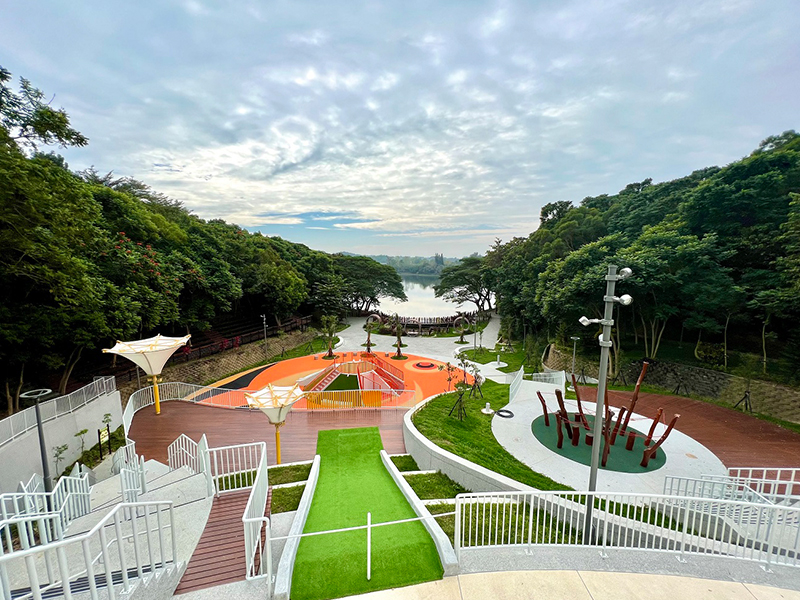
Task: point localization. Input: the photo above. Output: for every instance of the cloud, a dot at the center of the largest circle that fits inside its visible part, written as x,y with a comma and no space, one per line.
442,125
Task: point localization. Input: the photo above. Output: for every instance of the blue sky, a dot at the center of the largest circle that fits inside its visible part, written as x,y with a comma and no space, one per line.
407,127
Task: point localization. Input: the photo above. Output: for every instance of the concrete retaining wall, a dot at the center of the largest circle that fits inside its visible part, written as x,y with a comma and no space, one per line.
443,546
283,577
430,456
20,458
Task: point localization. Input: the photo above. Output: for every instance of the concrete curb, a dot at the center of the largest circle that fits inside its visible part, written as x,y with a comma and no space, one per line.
446,553
283,576
430,456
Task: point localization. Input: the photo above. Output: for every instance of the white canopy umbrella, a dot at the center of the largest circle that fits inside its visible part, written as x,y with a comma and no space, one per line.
275,402
151,355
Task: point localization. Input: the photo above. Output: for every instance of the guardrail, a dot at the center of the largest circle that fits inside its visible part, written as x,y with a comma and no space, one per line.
183,453
235,467
515,384
759,532
558,378
779,482
129,542
258,557
706,487
25,420
68,500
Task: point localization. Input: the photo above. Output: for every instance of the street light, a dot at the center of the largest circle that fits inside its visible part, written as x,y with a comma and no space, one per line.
264,321
574,339
37,395
605,343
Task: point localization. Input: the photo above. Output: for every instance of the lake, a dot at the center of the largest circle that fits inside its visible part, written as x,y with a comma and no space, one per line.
421,299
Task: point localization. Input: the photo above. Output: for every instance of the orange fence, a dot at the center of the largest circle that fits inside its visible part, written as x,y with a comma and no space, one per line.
353,399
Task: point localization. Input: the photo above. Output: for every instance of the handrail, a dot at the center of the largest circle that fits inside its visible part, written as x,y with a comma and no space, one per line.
25,420
756,531
105,547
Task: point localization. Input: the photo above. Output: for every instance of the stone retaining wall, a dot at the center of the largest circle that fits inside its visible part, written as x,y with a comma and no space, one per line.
220,365
775,400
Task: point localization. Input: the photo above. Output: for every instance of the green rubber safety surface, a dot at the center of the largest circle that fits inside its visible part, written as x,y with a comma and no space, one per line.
353,481
343,382
619,459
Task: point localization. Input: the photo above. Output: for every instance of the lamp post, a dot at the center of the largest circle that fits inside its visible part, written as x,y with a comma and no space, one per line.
264,322
605,343
574,339
151,355
275,402
37,395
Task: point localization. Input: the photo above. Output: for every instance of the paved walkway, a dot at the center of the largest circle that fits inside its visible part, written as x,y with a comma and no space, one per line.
686,457
579,585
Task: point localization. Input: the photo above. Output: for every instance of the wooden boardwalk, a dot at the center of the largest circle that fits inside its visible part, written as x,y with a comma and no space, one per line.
737,439
219,557
225,426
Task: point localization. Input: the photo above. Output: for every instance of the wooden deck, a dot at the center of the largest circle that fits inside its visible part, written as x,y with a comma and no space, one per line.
224,426
737,439
219,557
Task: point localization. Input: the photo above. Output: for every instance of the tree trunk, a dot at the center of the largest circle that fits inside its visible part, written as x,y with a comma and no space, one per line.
697,345
657,341
725,339
764,346
73,359
12,398
644,336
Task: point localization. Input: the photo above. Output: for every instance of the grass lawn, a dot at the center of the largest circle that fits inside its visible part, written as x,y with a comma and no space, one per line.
343,382
286,499
514,360
472,438
289,474
405,462
353,481
434,486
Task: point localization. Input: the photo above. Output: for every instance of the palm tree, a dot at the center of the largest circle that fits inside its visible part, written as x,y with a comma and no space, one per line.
330,323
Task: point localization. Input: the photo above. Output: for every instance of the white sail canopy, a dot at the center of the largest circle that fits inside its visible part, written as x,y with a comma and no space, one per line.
275,401
150,354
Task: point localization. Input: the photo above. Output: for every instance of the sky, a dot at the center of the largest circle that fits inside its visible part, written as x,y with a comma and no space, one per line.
407,127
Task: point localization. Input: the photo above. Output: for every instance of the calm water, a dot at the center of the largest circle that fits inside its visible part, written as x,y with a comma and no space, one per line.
421,300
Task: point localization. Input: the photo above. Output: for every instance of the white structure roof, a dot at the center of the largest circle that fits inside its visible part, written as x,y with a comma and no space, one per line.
150,354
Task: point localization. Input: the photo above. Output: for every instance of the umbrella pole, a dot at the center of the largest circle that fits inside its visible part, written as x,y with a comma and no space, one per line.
278,441
155,394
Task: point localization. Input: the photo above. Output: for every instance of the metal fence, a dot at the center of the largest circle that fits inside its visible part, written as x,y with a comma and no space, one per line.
758,532
558,378
25,420
515,384
133,541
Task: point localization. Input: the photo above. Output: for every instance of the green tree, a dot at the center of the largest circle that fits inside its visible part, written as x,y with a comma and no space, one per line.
367,281
465,282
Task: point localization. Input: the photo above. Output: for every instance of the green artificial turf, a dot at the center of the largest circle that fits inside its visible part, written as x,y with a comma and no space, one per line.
343,382
353,481
619,459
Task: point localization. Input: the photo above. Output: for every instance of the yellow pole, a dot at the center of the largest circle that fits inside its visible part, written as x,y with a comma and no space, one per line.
278,440
155,394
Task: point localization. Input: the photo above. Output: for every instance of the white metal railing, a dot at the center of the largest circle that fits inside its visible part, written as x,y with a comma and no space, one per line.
258,557
234,467
558,378
706,487
69,500
25,420
132,541
34,484
752,531
782,484
124,456
183,453
515,384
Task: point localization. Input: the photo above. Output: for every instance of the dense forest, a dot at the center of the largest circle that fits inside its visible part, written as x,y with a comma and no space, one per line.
88,258
715,256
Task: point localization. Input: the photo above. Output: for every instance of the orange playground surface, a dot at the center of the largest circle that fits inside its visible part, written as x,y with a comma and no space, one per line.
421,375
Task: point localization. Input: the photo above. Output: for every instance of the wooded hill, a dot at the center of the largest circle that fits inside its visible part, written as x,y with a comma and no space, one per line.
88,259
715,256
